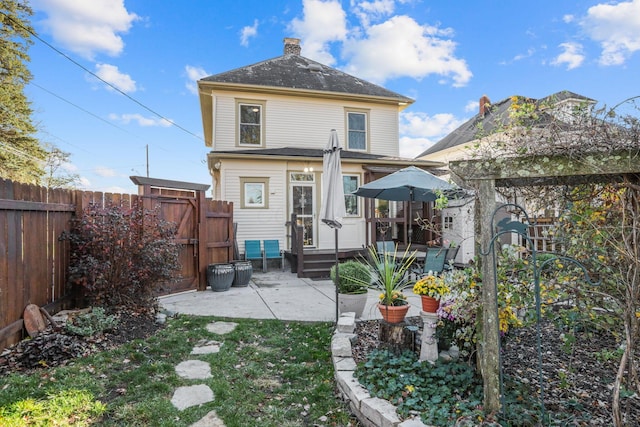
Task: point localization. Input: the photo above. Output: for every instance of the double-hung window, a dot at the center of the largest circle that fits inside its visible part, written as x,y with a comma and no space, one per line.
351,184
250,124
357,130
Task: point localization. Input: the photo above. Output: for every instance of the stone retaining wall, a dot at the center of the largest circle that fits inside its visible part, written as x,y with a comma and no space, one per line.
370,411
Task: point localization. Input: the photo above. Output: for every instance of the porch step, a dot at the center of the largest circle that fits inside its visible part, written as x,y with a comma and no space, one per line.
318,263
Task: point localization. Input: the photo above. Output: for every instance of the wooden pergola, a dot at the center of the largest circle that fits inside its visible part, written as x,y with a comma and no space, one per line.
485,175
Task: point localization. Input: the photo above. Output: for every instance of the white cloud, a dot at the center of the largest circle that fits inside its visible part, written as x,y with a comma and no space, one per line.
567,19
617,28
104,171
111,74
84,183
402,47
522,56
193,75
248,32
420,131
572,55
140,119
323,22
472,107
87,27
396,47
373,10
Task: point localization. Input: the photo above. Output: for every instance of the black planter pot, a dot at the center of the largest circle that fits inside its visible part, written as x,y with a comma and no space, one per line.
243,272
220,276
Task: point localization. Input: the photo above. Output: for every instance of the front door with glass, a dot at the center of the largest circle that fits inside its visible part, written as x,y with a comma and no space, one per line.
302,202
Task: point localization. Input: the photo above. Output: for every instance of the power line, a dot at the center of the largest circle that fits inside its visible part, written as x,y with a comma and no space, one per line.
81,109
101,79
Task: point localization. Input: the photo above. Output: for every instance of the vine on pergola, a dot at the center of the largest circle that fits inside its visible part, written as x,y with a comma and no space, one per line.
543,157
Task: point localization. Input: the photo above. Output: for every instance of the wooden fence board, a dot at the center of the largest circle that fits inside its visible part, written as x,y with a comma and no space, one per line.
34,261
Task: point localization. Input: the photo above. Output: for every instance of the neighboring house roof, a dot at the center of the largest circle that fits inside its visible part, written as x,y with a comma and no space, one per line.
497,116
295,72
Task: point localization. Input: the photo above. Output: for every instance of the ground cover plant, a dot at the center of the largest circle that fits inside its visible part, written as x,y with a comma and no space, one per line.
267,373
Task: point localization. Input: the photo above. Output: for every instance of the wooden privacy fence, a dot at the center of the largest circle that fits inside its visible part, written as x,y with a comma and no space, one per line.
34,262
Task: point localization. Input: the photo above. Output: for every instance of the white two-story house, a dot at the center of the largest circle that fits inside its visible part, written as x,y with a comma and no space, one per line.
267,124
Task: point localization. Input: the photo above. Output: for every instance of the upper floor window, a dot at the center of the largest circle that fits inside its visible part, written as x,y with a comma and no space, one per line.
250,123
357,135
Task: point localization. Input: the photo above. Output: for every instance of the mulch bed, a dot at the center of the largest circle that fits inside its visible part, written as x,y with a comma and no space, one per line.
577,379
56,347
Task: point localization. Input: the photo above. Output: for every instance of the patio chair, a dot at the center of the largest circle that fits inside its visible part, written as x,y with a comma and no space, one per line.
272,251
385,247
434,261
451,257
252,251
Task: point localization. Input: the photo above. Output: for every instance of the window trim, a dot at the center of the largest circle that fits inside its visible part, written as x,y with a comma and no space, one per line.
264,182
366,113
358,214
263,107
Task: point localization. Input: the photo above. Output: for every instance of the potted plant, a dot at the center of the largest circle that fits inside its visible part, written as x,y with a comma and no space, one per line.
352,292
431,288
390,278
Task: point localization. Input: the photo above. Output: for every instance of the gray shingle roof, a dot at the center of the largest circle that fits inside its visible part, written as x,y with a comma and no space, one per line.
497,116
297,72
308,152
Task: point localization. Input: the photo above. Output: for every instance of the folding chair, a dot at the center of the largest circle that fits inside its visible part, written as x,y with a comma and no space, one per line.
385,247
272,251
434,261
451,257
252,251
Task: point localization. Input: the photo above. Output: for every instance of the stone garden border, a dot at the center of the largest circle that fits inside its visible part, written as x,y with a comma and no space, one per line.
370,411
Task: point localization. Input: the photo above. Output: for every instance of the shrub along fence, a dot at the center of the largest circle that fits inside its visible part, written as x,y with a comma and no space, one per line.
34,261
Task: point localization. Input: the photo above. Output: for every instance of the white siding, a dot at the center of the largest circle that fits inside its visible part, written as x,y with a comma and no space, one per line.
305,122
256,224
352,234
269,223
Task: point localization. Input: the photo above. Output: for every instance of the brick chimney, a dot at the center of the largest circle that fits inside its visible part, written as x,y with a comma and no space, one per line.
485,104
292,46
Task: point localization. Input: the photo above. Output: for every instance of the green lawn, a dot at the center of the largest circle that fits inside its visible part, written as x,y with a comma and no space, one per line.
267,373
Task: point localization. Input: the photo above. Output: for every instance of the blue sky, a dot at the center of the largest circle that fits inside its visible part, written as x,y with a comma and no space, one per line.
444,54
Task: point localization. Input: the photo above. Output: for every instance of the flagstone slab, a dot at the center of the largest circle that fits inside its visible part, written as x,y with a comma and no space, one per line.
193,370
209,347
221,328
186,397
209,420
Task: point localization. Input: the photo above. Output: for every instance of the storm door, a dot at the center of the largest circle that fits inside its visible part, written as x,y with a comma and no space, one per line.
303,203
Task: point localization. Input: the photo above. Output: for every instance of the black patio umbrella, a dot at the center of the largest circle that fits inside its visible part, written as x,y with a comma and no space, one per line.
410,184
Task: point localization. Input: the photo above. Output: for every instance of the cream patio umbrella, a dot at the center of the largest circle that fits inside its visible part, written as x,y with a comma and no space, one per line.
333,209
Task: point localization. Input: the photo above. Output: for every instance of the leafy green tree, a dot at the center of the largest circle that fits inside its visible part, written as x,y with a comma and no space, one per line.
21,155
57,175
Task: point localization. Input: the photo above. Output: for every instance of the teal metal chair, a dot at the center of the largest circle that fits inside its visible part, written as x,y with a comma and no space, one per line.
385,247
272,251
434,261
252,251
451,257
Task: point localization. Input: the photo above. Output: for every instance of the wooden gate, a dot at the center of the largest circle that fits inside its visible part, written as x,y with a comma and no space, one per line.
205,227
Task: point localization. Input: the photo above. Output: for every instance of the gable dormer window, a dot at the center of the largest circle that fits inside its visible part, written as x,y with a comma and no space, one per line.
357,130
250,121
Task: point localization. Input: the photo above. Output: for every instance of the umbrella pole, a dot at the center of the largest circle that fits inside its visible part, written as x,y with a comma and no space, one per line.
410,220
337,274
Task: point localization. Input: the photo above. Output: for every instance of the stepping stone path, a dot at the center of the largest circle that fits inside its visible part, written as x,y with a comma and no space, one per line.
188,396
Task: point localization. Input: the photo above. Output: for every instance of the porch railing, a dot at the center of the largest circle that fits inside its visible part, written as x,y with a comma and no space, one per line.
297,243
